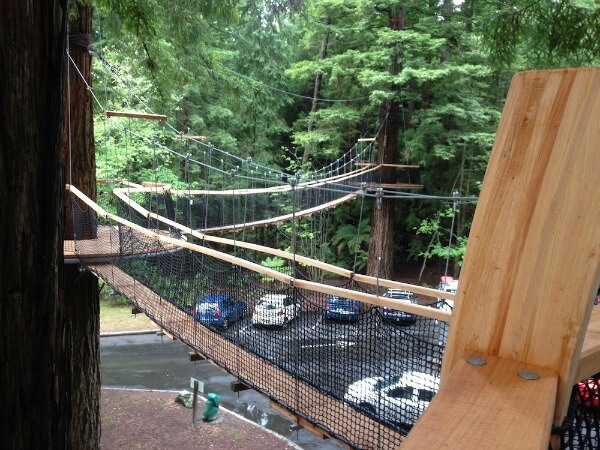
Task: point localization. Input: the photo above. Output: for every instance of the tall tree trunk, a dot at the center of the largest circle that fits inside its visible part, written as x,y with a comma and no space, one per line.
81,295
380,263
316,91
35,391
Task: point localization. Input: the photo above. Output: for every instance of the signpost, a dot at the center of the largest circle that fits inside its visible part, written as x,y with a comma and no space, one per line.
197,386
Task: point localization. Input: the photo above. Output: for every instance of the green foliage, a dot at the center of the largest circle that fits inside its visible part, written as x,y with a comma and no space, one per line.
352,243
560,33
437,229
274,262
227,70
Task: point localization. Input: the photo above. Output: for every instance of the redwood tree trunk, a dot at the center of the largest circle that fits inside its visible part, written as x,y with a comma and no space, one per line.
35,394
81,296
380,262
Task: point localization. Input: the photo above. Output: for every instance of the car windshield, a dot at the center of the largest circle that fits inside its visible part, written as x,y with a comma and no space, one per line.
401,392
387,381
269,304
208,306
343,302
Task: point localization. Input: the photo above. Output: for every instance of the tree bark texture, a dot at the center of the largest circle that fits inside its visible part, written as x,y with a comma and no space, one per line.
35,409
79,153
380,262
81,296
316,91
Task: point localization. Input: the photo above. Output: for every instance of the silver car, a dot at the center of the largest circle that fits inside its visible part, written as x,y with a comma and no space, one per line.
275,310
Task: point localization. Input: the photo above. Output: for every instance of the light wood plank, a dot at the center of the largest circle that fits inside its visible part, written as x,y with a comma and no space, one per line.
488,407
135,115
533,258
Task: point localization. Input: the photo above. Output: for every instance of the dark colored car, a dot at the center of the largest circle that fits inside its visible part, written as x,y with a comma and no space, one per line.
220,310
341,308
397,315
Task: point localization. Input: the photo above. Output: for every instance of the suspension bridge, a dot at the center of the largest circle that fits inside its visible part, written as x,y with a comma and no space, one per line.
161,251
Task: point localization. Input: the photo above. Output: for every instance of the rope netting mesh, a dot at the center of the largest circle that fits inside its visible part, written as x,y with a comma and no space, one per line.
362,373
240,206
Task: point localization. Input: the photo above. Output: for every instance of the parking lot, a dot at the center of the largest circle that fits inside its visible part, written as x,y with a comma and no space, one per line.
331,354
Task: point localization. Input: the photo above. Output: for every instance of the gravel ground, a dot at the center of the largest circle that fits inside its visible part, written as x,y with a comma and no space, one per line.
140,419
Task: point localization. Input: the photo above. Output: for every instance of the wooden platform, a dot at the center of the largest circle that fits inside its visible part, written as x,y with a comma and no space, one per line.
512,412
108,244
335,417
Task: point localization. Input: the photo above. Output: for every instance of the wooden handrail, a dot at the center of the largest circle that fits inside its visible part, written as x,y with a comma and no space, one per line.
316,287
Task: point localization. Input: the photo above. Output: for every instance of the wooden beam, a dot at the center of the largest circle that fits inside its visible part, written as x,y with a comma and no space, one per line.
189,136
299,420
371,185
489,406
167,333
401,166
194,356
532,264
238,386
134,115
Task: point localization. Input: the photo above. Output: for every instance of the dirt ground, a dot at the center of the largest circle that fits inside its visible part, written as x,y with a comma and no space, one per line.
136,419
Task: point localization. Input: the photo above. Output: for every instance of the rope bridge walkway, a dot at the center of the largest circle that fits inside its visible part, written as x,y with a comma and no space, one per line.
235,210
364,379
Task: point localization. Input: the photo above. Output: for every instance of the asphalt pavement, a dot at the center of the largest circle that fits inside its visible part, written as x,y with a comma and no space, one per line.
150,361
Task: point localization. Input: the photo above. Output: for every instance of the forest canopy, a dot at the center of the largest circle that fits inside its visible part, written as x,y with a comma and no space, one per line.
294,85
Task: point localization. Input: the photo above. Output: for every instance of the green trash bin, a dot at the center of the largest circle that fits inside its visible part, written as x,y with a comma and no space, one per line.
211,408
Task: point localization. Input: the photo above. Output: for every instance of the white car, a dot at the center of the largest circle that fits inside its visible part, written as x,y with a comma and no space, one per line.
399,399
275,310
447,284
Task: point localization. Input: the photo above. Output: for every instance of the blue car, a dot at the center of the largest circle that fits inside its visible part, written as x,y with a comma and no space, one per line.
341,308
219,310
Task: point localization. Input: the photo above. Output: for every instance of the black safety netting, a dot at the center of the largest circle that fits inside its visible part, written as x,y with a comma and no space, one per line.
351,369
581,427
362,373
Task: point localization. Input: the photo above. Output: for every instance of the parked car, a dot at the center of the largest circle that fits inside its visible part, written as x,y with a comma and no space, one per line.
447,284
395,314
220,310
275,310
399,399
341,308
